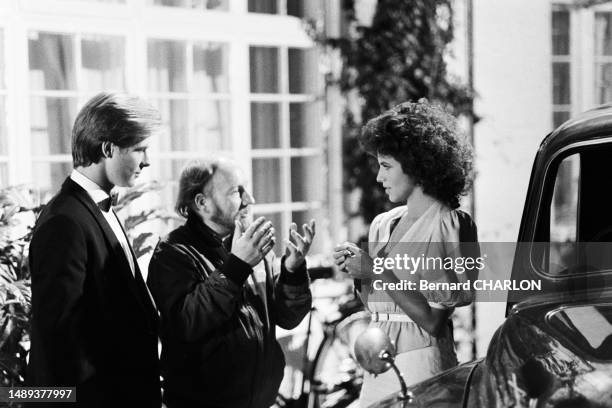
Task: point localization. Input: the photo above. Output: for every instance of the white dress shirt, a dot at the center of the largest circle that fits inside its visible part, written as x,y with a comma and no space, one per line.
97,195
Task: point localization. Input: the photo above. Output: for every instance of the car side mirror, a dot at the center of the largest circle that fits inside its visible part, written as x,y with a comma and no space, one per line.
375,352
370,347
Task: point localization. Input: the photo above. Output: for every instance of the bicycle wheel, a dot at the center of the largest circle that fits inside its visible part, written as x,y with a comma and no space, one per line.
336,377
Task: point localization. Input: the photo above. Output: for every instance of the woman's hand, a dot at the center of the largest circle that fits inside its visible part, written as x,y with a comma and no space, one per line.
353,260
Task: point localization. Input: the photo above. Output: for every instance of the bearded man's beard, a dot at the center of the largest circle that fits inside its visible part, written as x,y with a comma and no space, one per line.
226,221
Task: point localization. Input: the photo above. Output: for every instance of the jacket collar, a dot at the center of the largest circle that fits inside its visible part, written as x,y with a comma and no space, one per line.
206,240
203,231
93,190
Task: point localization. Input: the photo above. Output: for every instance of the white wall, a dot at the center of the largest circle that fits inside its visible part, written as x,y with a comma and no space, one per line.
512,77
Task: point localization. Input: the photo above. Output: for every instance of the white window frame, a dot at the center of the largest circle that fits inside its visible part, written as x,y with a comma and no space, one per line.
80,94
281,7
564,59
136,21
582,55
190,97
285,153
4,94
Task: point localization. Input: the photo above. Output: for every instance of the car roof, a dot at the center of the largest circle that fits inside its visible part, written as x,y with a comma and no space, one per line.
589,125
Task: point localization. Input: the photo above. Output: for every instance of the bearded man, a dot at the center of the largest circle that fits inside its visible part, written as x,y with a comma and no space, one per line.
221,295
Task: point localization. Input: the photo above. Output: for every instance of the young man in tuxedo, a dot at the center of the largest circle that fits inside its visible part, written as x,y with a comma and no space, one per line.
94,323
221,294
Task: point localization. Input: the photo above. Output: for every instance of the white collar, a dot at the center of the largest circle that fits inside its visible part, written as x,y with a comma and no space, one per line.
95,192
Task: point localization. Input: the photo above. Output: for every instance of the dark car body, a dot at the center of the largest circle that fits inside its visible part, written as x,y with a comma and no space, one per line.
555,348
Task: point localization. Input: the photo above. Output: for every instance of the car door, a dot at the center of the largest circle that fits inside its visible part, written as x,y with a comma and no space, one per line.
565,238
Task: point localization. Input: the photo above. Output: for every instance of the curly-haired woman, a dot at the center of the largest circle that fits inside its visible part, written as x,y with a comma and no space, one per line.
426,166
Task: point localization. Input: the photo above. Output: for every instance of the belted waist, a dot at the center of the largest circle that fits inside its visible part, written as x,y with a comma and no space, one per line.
390,317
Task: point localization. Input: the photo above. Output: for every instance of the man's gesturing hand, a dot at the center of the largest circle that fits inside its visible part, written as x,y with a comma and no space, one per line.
254,243
296,251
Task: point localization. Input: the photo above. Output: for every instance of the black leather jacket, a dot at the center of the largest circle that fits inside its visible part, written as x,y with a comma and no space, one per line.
219,345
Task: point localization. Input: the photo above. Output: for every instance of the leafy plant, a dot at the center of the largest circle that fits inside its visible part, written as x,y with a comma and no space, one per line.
141,241
18,212
401,56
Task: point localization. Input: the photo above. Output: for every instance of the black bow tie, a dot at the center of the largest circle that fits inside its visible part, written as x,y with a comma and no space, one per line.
106,204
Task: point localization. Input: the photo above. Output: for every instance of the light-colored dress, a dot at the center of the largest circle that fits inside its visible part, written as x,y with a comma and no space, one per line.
419,355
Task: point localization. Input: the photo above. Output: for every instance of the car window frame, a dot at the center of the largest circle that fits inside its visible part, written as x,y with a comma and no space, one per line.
553,164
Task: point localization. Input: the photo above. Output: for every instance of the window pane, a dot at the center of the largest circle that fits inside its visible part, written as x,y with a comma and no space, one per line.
51,122
302,71
263,6
2,84
267,180
265,125
561,32
211,128
561,83
565,201
304,128
3,174
264,69
48,178
166,62
168,172
210,73
305,8
280,233
564,215
306,181
304,217
103,61
603,83
99,1
3,130
559,118
175,122
51,60
603,33
195,4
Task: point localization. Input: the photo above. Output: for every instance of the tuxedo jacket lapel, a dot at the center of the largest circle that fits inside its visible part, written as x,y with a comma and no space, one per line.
139,291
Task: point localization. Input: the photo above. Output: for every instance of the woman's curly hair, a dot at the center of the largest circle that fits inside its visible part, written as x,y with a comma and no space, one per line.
424,139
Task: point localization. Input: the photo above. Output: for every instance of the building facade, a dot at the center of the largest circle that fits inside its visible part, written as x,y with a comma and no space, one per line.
536,64
234,78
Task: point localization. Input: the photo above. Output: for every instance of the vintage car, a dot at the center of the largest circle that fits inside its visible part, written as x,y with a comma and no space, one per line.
553,349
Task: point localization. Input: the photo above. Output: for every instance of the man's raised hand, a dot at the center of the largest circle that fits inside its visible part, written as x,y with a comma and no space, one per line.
297,249
252,244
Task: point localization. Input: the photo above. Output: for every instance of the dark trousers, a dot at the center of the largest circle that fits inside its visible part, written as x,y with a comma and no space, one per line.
172,400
